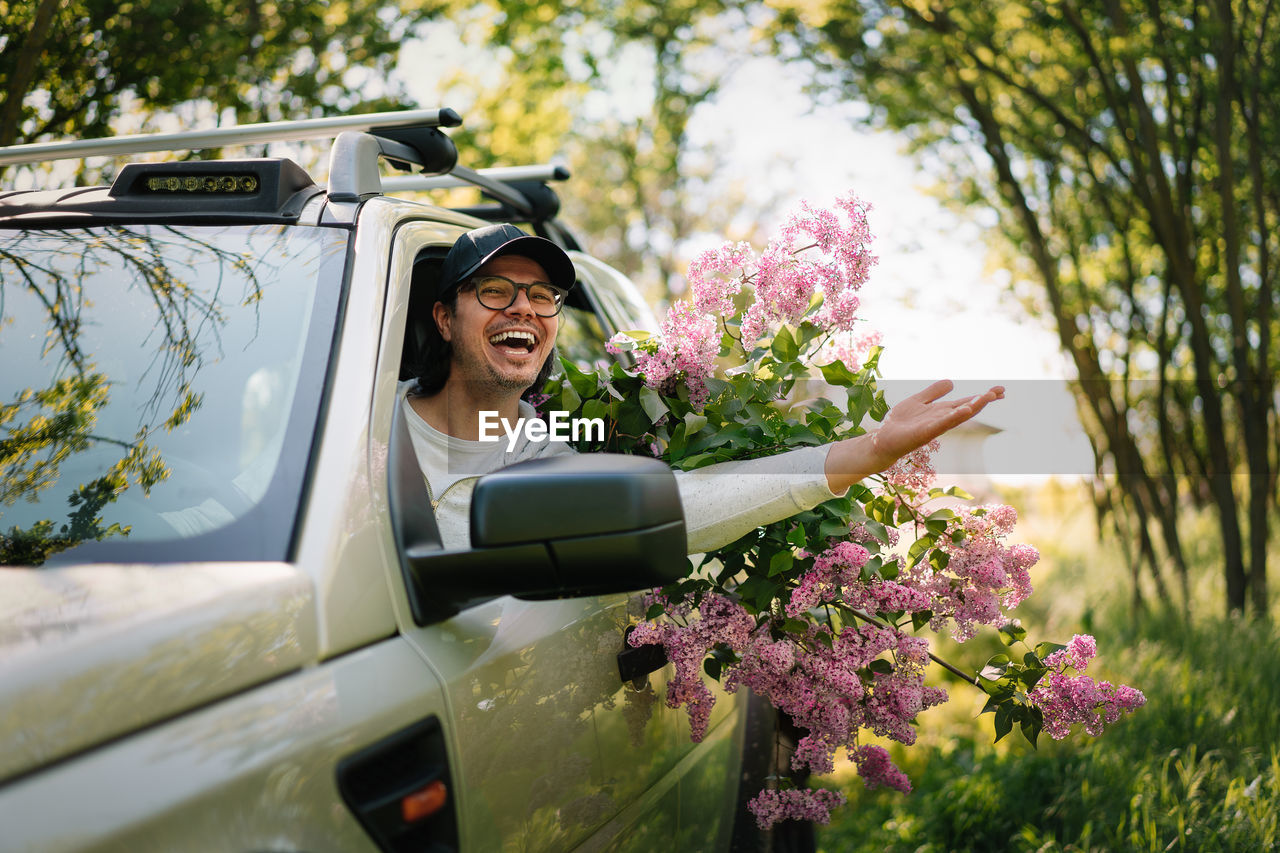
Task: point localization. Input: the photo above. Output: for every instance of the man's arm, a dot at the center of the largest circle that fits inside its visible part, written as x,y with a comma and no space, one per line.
723,502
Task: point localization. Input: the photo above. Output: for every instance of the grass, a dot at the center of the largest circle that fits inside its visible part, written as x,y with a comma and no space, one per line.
1197,769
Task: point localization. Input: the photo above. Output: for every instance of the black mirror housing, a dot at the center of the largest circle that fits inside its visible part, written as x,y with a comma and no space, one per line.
611,523
557,527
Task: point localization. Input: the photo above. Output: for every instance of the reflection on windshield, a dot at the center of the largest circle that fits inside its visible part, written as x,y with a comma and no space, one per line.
149,376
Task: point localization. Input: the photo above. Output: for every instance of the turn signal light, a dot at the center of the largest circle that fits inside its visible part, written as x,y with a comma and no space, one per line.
424,802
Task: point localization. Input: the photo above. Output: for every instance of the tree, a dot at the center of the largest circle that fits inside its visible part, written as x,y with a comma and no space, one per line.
1130,150
611,86
68,68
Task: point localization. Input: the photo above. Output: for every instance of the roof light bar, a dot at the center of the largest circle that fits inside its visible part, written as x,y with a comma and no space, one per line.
246,134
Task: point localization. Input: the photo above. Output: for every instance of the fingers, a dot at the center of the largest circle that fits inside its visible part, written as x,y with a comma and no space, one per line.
938,389
943,387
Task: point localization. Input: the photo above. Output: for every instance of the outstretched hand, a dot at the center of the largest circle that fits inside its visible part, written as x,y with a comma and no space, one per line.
911,424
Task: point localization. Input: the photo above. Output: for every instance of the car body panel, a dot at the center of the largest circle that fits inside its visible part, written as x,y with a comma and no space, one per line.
342,539
88,653
255,772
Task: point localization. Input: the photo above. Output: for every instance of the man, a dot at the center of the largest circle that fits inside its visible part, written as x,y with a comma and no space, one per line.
496,316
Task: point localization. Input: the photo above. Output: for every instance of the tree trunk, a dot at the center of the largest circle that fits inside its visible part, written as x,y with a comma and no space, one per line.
24,70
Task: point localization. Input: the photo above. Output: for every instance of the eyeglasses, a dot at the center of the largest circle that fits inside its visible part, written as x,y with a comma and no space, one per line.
499,293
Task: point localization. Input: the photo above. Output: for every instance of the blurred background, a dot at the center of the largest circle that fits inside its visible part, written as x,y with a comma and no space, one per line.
1077,200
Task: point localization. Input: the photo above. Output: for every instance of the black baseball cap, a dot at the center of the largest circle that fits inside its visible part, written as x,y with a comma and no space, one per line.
476,248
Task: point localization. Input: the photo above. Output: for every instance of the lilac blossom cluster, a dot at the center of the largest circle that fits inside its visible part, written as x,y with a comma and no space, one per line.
771,806
984,576
720,622
812,271
1065,700
831,684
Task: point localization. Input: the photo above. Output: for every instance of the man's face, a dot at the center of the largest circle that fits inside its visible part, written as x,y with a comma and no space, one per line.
492,348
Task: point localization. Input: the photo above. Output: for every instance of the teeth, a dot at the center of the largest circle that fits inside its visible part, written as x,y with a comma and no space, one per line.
523,337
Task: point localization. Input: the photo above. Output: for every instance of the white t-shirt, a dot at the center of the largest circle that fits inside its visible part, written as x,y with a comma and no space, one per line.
722,502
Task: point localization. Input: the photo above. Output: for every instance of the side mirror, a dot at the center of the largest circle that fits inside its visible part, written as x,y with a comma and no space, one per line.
610,523
558,527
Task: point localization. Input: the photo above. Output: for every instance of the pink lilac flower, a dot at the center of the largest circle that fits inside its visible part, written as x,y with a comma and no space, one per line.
848,349
716,277
842,555
877,769
914,471
720,621
1079,651
983,576
821,681
686,350
835,566
770,807
1065,700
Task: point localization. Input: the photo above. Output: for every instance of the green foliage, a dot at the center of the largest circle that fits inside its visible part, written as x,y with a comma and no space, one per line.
69,68
610,86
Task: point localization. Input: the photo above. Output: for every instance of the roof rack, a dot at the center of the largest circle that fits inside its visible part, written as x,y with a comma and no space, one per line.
405,138
520,191
244,134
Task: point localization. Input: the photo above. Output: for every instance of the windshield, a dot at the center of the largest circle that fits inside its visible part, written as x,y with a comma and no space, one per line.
159,388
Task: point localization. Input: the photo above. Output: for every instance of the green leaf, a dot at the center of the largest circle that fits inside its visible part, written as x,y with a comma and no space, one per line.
1012,633
1004,721
693,422
654,611
871,569
594,408
917,550
939,560
873,359
759,591
1030,730
837,374
831,527
780,562
796,626
881,666
1031,677
784,347
1043,650
921,618
712,667
995,669
877,530
797,537
651,400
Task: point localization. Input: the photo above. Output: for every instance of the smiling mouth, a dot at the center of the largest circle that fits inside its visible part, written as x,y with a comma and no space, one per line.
514,340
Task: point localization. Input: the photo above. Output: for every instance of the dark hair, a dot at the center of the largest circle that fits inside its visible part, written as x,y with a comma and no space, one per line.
435,355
